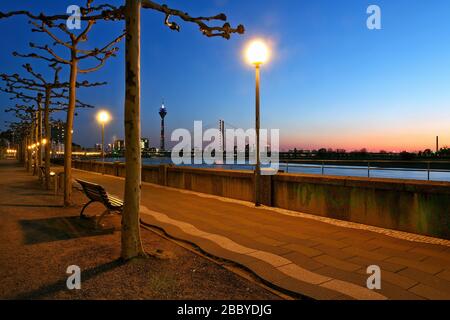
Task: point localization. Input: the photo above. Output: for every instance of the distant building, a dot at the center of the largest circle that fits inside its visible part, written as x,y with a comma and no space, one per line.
57,132
145,144
119,145
57,137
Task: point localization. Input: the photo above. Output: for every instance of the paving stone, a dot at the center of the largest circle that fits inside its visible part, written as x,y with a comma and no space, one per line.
364,245
360,278
309,290
364,262
336,273
432,246
303,261
438,252
270,258
294,271
266,271
444,275
333,262
429,293
389,252
436,282
395,279
310,252
269,241
356,235
240,259
371,255
249,242
444,264
357,292
392,243
228,244
429,268
335,252
331,242
396,293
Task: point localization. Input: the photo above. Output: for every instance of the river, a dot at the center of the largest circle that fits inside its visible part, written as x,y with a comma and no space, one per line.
334,170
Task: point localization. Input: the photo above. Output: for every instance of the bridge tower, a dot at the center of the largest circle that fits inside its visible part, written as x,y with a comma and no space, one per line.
222,135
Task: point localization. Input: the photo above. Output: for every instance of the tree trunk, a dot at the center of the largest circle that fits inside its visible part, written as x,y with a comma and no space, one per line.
22,151
35,134
131,238
48,91
28,152
39,139
68,132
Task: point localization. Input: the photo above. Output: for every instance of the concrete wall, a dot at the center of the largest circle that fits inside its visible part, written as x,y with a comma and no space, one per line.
413,206
229,184
420,207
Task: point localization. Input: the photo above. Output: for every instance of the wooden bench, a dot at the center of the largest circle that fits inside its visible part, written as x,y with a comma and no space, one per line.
97,193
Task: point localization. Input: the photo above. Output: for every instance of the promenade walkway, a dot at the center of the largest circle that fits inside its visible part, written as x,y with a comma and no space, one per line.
315,257
39,239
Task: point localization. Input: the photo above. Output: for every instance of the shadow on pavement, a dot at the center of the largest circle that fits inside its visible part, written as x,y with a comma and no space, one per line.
31,205
63,228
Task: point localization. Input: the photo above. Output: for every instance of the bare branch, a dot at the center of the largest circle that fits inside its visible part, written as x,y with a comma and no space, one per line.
36,56
224,31
47,48
105,50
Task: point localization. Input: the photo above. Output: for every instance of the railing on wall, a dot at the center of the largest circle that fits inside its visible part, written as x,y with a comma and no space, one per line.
410,170
368,167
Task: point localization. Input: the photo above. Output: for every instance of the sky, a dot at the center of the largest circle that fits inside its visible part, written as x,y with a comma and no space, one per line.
331,82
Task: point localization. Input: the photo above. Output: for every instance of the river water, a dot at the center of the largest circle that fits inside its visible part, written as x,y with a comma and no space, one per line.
341,170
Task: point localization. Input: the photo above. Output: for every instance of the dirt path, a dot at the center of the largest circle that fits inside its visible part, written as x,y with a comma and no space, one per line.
39,239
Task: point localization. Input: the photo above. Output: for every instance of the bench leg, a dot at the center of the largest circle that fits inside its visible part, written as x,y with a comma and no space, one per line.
84,208
101,217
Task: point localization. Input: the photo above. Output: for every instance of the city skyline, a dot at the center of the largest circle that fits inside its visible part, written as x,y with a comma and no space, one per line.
332,83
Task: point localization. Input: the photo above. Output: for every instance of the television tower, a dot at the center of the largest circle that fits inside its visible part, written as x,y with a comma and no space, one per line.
437,144
162,113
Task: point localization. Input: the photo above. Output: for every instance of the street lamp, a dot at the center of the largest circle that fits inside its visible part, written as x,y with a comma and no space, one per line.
103,117
257,53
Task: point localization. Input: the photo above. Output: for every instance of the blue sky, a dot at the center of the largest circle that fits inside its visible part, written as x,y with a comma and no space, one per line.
331,82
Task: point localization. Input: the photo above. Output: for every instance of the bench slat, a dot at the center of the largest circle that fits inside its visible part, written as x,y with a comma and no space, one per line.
97,193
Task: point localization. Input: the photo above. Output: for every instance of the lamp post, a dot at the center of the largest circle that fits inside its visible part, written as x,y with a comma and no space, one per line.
257,53
103,117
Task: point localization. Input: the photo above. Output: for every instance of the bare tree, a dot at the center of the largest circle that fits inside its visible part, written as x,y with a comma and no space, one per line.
43,24
51,93
131,13
21,133
131,241
29,112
